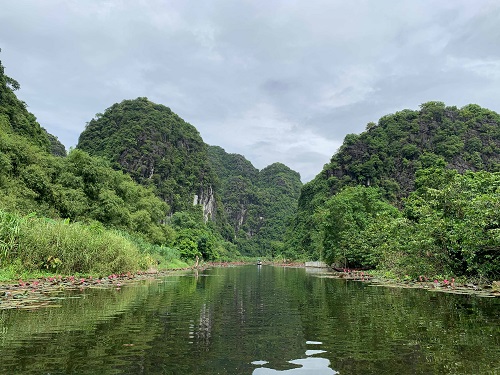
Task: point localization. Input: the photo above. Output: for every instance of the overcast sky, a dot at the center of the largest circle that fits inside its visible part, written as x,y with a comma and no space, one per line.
271,80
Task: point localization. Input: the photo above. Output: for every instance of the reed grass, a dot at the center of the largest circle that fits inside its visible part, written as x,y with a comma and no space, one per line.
9,232
164,257
63,247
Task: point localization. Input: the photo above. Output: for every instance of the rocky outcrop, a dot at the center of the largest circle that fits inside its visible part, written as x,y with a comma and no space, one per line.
206,199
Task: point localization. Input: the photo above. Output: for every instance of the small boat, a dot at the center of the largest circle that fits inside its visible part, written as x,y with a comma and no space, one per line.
259,262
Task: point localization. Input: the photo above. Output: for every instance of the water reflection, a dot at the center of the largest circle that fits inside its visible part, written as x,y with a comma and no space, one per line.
308,366
254,320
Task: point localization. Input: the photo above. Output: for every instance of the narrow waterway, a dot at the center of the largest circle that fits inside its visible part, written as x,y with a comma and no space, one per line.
254,320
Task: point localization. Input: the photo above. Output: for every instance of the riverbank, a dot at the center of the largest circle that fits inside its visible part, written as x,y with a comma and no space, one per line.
43,292
39,292
444,285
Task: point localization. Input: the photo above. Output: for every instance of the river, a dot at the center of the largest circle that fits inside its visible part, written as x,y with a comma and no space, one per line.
254,320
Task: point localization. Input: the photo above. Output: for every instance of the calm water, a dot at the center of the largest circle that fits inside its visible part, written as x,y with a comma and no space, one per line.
254,320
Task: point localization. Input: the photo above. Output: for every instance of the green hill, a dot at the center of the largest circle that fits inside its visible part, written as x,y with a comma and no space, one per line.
389,154
157,148
258,204
409,159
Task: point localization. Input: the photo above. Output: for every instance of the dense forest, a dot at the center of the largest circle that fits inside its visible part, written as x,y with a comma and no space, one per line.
416,194
258,204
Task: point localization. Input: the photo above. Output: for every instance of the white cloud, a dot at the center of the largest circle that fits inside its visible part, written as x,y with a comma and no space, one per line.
274,81
352,85
484,68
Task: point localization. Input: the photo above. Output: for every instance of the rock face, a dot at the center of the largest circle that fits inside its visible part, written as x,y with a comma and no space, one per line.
237,187
208,203
158,149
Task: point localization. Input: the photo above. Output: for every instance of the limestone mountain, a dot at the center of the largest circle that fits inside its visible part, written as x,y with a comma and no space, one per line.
389,154
257,204
157,148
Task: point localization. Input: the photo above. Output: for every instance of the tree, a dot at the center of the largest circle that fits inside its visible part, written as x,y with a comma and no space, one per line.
346,219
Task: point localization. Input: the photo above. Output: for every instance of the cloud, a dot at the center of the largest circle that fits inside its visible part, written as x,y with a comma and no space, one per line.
264,136
354,84
275,81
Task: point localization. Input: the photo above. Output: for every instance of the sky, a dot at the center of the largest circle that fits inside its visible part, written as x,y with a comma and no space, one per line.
275,80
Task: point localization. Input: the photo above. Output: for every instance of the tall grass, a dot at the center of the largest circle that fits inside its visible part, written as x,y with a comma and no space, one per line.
10,225
164,257
63,247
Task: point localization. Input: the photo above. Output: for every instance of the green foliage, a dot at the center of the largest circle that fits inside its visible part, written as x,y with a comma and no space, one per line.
258,205
58,246
449,226
14,115
351,221
304,236
458,221
392,155
194,238
78,187
10,226
155,146
162,256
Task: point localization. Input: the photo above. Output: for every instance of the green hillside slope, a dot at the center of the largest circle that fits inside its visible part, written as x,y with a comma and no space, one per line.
258,205
413,160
